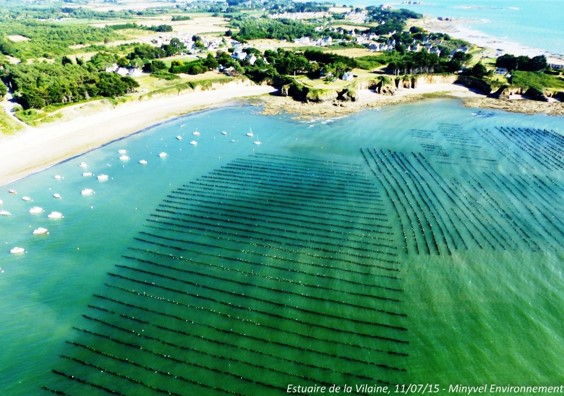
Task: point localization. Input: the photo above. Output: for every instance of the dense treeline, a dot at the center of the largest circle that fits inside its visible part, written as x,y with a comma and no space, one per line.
389,20
48,40
41,84
263,28
524,63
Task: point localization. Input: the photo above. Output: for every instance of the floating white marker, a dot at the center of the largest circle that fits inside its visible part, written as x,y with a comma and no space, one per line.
55,215
58,177
40,231
103,178
163,155
143,162
194,143
87,192
36,210
124,158
86,174
17,250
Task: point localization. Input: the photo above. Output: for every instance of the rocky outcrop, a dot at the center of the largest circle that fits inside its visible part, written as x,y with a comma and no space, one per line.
506,91
474,84
535,94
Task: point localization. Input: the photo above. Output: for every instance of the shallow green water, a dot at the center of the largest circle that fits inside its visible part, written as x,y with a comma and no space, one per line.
414,244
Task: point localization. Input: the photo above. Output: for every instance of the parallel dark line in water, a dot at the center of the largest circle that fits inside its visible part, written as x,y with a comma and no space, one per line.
188,205
253,323
317,207
260,286
538,151
357,183
434,201
198,199
401,160
417,198
501,185
357,180
261,299
292,270
197,351
222,198
505,215
238,259
387,177
85,382
231,331
304,183
266,313
245,214
387,188
54,391
335,165
450,194
273,188
256,274
360,264
149,351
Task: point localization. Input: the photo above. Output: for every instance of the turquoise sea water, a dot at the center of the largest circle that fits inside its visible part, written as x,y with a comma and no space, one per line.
360,250
536,24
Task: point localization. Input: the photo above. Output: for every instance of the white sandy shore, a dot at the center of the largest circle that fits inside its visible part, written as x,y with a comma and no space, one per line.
38,148
494,46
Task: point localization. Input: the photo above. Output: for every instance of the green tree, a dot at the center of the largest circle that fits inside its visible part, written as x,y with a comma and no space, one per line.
3,89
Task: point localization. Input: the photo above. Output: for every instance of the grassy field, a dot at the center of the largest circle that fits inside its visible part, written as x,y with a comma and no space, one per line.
7,125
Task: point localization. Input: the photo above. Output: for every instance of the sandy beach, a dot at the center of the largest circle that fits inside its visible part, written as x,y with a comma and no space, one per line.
35,149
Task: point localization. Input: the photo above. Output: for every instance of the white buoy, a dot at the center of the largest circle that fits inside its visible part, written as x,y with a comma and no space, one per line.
163,155
87,192
194,143
86,174
55,215
122,151
17,250
103,178
58,177
196,133
36,210
40,231
143,162
124,158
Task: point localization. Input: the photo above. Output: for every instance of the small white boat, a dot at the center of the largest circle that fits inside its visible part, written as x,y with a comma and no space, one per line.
194,143
182,126
103,178
87,191
122,151
143,162
17,250
55,215
196,133
179,137
57,196
83,165
12,191
124,158
86,174
5,213
36,210
224,133
40,231
257,142
250,134
58,177
163,155
26,198
1,202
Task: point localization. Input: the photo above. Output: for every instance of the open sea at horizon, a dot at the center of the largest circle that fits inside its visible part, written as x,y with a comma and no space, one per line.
420,243
535,24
